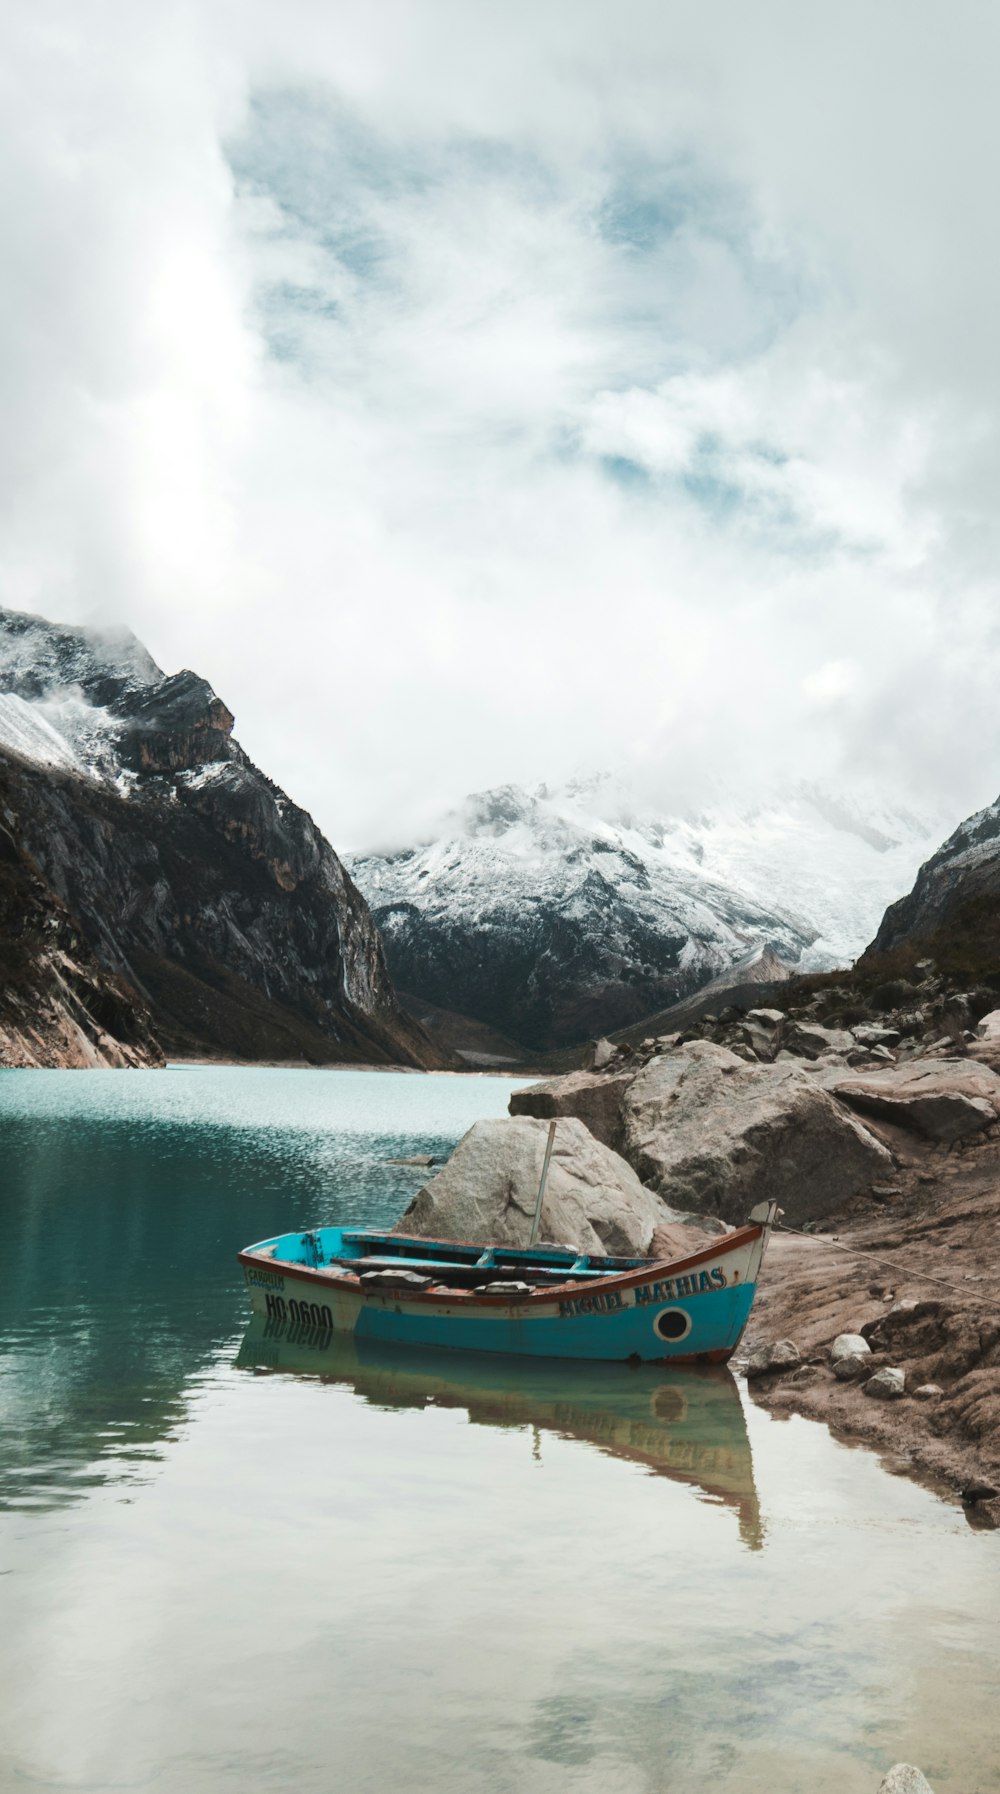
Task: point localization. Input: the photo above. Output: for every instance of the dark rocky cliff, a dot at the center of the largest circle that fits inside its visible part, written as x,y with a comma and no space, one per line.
58,1005
190,875
953,910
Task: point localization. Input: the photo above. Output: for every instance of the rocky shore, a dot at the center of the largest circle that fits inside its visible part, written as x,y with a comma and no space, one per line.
878,1132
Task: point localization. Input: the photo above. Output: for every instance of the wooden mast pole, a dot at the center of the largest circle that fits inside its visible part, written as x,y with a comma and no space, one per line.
550,1142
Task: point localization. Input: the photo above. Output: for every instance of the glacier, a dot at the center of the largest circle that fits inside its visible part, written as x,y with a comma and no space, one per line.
577,908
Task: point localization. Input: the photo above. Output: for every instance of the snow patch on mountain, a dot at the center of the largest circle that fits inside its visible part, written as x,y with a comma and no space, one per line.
59,688
27,731
588,884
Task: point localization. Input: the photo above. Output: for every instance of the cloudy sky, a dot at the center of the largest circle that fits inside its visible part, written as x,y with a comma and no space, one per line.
479,391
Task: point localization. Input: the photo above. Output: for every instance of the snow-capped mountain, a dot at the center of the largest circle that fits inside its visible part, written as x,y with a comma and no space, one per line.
564,912
205,894
957,890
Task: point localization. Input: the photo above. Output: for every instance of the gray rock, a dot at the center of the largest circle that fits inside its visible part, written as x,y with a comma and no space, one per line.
487,1190
904,1779
989,1026
771,1360
595,1099
415,1158
944,1101
871,1055
873,1034
849,1345
911,1021
601,1054
928,1392
689,1233
886,1385
771,1019
762,1031
808,1040
712,1134
852,1366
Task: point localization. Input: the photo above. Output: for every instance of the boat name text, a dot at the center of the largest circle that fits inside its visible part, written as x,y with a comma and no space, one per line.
668,1289
264,1279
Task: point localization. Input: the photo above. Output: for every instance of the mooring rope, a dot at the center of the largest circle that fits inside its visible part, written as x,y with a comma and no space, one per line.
818,1239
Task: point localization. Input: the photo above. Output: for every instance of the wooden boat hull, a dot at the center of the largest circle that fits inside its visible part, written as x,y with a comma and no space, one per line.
687,1311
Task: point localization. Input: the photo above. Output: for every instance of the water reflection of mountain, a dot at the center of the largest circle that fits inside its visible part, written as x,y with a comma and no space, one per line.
686,1425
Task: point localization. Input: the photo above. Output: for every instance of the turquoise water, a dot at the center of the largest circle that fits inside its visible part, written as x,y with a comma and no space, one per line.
234,1557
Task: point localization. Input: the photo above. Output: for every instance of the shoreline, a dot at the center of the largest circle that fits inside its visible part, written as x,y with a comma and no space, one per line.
410,1071
940,1337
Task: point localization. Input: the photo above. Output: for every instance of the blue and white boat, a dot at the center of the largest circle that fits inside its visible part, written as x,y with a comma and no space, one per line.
535,1301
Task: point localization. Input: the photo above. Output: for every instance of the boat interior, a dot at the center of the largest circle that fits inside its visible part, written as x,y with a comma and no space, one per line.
455,1264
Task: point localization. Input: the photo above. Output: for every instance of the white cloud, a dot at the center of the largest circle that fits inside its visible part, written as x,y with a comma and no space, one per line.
475,392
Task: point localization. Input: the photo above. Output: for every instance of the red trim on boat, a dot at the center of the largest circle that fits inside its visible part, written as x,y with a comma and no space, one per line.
655,1269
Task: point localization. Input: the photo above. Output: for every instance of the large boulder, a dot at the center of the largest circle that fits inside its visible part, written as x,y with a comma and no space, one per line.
943,1099
593,1098
487,1190
712,1133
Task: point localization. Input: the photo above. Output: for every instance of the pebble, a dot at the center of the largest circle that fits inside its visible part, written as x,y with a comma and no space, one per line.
904,1779
928,1391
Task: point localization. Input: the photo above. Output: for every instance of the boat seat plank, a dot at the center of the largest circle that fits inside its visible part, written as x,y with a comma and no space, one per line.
558,1273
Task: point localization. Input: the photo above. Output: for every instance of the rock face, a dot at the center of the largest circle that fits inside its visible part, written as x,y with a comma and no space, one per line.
713,1133
487,1191
594,1098
941,1099
212,899
953,909
718,1138
58,1006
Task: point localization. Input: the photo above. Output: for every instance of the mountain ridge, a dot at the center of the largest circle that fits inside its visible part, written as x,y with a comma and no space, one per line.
564,912
190,873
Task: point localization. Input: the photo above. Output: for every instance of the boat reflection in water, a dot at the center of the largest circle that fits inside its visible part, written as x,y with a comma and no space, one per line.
684,1424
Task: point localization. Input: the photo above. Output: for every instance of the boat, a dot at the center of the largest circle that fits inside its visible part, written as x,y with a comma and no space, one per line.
540,1301
684,1424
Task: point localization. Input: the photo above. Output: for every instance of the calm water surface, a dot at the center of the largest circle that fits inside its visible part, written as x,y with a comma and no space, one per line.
238,1557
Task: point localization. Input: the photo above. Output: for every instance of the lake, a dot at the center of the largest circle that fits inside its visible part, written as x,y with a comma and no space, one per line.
245,1557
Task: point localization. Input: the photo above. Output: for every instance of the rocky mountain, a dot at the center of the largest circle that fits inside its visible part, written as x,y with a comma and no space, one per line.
200,907
563,913
953,910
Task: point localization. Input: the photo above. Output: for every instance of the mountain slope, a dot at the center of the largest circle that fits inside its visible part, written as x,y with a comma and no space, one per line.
190,874
953,910
564,913
58,1006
